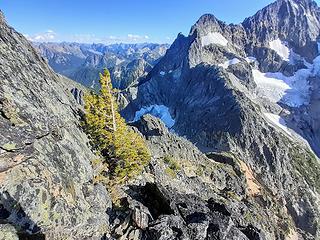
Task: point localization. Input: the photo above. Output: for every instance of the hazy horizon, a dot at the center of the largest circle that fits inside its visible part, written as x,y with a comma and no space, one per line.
118,22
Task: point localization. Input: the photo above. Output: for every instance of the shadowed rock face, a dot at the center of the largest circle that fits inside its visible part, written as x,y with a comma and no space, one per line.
45,175
219,108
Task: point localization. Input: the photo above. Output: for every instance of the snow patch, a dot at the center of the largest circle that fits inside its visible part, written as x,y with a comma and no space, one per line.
277,121
119,61
117,73
162,73
95,52
229,63
296,6
292,91
250,59
214,38
281,48
159,111
93,84
270,87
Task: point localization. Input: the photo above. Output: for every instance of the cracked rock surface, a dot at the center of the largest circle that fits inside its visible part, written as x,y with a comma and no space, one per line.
219,108
45,171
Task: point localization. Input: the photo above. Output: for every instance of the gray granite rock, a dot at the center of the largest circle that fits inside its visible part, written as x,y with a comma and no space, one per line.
203,197
217,109
46,176
8,232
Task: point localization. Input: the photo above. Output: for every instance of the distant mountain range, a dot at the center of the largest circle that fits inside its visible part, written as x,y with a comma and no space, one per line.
83,62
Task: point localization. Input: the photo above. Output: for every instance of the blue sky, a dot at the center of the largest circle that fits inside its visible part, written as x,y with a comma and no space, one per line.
110,21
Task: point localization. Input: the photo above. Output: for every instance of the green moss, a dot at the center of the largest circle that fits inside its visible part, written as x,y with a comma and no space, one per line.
233,196
200,170
17,121
9,146
172,166
248,217
70,189
44,210
306,163
172,163
170,172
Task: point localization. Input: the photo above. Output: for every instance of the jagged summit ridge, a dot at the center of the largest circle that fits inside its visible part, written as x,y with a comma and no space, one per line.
207,21
246,88
291,20
294,21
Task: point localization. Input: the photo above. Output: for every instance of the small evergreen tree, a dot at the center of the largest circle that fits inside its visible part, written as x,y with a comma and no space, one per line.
124,150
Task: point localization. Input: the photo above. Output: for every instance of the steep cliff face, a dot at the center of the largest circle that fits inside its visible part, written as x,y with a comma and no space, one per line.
296,21
45,172
250,89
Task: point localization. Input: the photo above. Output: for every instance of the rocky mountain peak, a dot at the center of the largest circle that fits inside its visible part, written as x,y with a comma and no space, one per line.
296,23
220,87
304,3
294,7
207,22
290,20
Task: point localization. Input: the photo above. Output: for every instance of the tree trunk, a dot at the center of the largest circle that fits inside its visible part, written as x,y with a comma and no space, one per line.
114,124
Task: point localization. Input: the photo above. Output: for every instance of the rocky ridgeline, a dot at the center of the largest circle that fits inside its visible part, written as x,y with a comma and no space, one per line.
184,194
252,179
45,174
250,89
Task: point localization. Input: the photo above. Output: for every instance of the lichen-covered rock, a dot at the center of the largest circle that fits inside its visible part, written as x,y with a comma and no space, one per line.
8,232
188,195
45,174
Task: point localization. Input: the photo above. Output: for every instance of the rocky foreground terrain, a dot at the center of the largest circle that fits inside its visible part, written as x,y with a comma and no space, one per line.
229,115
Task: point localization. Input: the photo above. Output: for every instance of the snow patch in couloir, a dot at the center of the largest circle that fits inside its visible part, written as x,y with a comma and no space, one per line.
250,59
